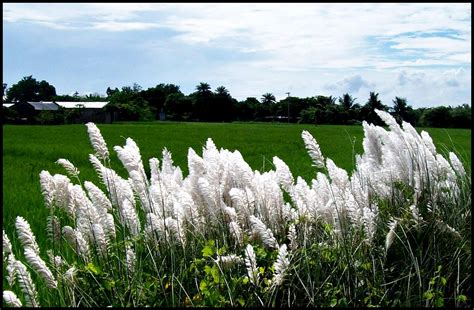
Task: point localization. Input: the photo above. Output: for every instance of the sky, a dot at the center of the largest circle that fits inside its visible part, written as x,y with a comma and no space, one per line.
417,51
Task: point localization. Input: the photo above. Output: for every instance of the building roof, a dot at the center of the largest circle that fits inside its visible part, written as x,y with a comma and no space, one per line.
44,105
85,104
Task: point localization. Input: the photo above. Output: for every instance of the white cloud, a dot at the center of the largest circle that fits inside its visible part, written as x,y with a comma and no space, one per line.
352,84
305,48
123,26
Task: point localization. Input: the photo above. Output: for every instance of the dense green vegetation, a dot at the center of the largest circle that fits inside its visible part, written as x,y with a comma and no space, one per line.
27,150
166,101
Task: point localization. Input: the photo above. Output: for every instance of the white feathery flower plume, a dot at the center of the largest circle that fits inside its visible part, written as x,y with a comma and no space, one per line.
26,236
47,187
251,264
100,239
11,269
283,174
26,284
11,299
101,204
389,120
56,261
391,234
7,246
281,264
40,267
265,234
130,258
293,237
70,275
97,141
456,164
77,242
236,232
154,170
130,156
70,168
228,261
167,162
313,149
97,196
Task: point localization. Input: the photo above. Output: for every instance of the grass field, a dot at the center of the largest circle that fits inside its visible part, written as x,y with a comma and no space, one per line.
29,149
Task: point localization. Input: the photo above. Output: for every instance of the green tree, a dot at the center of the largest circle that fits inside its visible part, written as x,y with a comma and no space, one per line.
308,116
461,116
347,102
437,117
325,109
349,108
368,110
29,89
245,110
178,107
203,88
222,105
129,104
111,91
268,98
401,110
156,96
202,104
222,91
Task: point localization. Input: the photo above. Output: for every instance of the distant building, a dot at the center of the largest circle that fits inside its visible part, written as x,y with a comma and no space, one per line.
69,111
87,111
29,112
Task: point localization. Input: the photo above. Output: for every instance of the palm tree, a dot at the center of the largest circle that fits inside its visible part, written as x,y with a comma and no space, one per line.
203,88
369,109
347,102
222,91
350,108
268,98
401,109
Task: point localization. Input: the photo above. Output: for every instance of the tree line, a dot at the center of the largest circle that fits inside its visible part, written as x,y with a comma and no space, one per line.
167,101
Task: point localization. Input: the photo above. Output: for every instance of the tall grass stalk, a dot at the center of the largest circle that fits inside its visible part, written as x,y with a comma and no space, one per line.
393,232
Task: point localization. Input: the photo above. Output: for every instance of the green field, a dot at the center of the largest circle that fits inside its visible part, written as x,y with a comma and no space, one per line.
29,149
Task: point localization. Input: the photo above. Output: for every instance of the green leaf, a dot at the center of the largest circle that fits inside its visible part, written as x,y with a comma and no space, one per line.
245,280
439,302
462,298
215,274
428,295
207,269
207,251
203,286
443,281
109,284
94,269
333,302
367,266
241,301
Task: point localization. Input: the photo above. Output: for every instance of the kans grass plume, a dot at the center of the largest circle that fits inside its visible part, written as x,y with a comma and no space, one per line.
223,196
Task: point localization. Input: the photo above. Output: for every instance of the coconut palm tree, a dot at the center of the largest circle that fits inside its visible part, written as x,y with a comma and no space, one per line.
401,109
347,102
368,111
349,107
268,98
203,88
222,91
